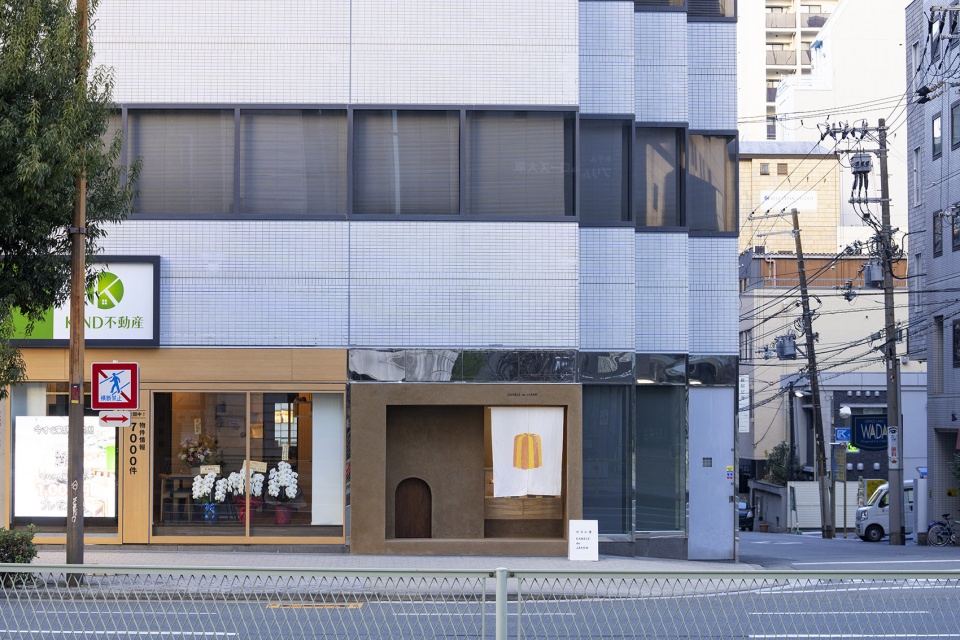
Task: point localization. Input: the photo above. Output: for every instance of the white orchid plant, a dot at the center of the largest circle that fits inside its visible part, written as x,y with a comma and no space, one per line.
204,488
282,483
236,484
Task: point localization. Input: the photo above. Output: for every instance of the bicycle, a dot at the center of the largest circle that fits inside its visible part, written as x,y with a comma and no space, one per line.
941,532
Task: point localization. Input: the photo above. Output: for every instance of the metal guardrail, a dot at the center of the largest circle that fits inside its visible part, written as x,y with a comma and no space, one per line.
112,602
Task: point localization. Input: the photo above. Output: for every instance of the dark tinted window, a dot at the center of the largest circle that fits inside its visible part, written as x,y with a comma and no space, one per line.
604,176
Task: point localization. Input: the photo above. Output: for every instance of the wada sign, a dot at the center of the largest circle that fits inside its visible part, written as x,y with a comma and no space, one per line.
122,308
870,433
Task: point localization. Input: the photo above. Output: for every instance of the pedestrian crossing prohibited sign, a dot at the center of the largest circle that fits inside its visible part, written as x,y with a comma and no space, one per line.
115,385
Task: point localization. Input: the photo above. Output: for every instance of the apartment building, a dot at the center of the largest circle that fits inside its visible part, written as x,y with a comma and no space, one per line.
933,138
774,41
471,271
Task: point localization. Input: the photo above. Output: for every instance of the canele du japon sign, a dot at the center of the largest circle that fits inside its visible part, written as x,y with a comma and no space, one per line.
122,308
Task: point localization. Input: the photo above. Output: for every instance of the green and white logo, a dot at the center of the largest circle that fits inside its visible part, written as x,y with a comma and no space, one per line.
107,292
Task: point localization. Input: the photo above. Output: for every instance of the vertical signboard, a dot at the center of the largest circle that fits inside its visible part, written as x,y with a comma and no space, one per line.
743,405
134,469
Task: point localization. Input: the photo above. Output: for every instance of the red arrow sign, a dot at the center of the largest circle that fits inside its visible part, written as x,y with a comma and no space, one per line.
116,419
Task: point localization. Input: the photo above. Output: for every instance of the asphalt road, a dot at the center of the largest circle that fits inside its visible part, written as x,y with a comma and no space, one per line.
810,552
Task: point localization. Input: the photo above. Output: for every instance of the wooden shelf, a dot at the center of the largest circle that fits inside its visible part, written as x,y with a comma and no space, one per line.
529,508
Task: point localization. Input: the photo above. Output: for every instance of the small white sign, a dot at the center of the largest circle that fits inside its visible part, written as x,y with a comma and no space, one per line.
115,419
209,468
256,467
583,541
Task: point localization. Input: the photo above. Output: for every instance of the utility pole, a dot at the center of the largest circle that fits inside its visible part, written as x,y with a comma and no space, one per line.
826,499
894,467
887,257
78,262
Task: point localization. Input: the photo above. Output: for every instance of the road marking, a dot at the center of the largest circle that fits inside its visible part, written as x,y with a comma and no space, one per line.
876,562
526,613
311,605
92,613
105,632
829,613
847,635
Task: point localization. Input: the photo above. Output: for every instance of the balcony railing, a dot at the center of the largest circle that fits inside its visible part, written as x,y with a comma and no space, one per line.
805,57
813,20
781,21
771,94
782,57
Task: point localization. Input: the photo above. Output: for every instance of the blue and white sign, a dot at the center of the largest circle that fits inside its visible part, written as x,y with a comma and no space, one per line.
841,434
870,433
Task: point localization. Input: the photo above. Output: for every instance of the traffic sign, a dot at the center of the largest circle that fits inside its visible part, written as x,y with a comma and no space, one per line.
116,385
115,419
842,434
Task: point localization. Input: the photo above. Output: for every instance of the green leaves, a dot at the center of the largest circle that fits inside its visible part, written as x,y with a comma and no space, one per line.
52,128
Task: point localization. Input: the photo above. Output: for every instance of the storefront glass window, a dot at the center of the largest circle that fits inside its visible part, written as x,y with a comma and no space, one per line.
294,443
607,457
40,444
661,452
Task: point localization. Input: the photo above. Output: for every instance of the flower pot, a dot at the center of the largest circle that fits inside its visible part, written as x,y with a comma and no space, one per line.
210,513
764,527
282,514
242,511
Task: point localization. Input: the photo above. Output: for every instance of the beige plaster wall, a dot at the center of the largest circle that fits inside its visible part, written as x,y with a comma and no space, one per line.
371,487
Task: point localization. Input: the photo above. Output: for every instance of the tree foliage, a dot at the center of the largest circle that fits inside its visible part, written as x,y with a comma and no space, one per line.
52,127
780,462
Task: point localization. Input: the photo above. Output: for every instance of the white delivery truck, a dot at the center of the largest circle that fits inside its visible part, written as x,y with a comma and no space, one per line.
873,520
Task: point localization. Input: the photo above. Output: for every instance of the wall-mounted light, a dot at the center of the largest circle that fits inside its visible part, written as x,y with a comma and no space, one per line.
645,381
876,466
859,466
849,466
695,383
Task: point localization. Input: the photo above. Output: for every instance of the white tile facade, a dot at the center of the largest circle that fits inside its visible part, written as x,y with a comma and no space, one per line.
662,282
661,72
340,51
464,284
712,75
244,283
606,57
607,289
398,284
428,284
714,290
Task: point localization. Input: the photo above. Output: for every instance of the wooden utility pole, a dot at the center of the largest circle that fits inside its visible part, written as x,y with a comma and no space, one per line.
78,270
826,501
894,454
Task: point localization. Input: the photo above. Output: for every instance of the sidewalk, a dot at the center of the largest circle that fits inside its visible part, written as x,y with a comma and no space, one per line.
198,557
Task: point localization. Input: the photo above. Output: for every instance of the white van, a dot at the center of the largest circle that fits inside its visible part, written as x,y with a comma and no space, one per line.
873,520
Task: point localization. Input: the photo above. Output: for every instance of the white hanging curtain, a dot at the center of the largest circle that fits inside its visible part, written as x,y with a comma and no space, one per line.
527,450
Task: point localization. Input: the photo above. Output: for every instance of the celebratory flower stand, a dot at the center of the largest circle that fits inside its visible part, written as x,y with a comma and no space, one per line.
282,514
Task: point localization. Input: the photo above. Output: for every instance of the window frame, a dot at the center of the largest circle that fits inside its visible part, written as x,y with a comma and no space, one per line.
955,125
936,136
937,234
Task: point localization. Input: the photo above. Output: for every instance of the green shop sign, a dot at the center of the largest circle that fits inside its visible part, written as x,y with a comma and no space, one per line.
122,308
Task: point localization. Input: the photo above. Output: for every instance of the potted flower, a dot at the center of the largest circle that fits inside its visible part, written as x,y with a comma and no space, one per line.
205,492
281,489
236,486
200,450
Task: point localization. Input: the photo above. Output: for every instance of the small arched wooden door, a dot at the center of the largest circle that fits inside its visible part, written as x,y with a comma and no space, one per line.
413,514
